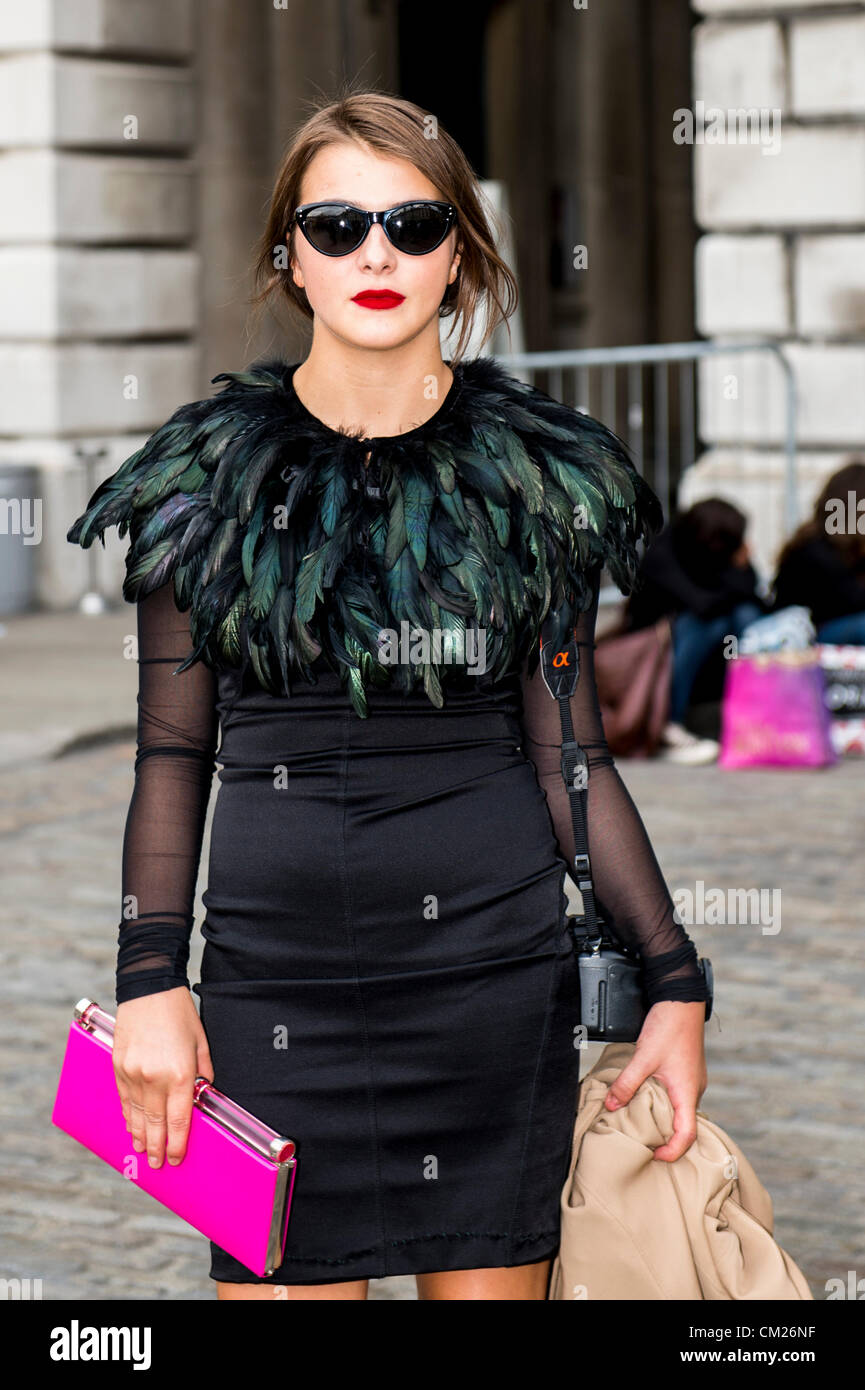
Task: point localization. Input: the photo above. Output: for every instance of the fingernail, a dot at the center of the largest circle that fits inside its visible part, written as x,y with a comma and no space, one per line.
174,1160
138,1146
154,1162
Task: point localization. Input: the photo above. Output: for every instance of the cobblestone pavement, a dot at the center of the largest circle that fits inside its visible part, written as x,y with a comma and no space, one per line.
783,1050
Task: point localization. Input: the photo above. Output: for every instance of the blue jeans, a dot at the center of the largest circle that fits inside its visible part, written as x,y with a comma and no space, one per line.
693,640
847,630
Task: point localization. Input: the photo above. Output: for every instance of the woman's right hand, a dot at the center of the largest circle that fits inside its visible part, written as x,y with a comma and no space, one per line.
159,1048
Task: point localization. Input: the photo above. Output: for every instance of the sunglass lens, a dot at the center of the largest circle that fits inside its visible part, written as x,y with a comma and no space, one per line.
334,230
417,228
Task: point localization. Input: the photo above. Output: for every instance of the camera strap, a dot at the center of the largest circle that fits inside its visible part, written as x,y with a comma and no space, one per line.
560,667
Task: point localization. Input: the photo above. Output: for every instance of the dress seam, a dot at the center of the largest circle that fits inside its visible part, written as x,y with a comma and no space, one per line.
542,1049
347,906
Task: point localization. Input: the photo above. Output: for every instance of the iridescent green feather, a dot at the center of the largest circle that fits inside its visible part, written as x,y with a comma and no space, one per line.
491,514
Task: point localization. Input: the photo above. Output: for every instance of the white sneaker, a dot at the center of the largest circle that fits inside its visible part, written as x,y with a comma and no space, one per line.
679,745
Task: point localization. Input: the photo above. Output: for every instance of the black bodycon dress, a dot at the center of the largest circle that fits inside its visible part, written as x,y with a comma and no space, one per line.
387,975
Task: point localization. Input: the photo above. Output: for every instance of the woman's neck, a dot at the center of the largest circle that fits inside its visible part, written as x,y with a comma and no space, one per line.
377,392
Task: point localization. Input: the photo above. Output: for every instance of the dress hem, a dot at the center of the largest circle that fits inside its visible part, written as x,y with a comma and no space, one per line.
413,1255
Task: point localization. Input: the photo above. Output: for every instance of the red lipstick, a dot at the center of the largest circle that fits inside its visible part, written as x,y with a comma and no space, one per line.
378,299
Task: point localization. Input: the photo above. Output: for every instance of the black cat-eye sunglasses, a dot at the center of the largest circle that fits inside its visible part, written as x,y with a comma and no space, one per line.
337,229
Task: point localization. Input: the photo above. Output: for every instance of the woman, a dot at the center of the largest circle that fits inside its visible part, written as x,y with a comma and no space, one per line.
697,572
387,974
822,565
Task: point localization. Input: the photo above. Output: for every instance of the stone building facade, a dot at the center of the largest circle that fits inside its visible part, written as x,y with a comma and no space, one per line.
781,253
138,144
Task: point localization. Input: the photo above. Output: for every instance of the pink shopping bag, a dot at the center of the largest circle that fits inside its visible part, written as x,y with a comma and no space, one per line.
773,712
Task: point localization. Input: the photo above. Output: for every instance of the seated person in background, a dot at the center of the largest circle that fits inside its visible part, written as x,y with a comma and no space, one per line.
822,565
697,572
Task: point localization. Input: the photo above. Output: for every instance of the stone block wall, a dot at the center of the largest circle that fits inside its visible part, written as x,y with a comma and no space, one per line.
99,272
782,250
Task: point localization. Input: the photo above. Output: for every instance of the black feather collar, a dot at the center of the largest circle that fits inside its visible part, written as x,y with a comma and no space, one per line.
474,526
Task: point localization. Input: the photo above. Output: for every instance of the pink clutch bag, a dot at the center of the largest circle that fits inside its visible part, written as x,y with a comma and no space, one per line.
236,1178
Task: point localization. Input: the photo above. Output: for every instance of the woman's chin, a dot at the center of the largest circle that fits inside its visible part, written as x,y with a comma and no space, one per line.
376,328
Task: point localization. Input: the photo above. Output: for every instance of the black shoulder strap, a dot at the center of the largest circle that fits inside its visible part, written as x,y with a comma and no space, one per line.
560,667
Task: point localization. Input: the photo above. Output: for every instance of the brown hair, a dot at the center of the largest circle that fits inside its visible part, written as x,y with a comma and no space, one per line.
706,537
851,544
395,127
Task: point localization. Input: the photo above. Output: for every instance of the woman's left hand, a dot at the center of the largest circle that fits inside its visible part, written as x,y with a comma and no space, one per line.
670,1046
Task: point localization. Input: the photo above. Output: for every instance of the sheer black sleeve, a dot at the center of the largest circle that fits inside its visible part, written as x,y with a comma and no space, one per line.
630,891
174,765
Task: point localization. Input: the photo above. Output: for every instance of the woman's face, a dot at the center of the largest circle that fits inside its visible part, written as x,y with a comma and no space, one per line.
346,172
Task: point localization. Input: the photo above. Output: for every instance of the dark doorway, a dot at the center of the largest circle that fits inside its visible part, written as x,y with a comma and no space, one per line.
441,54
